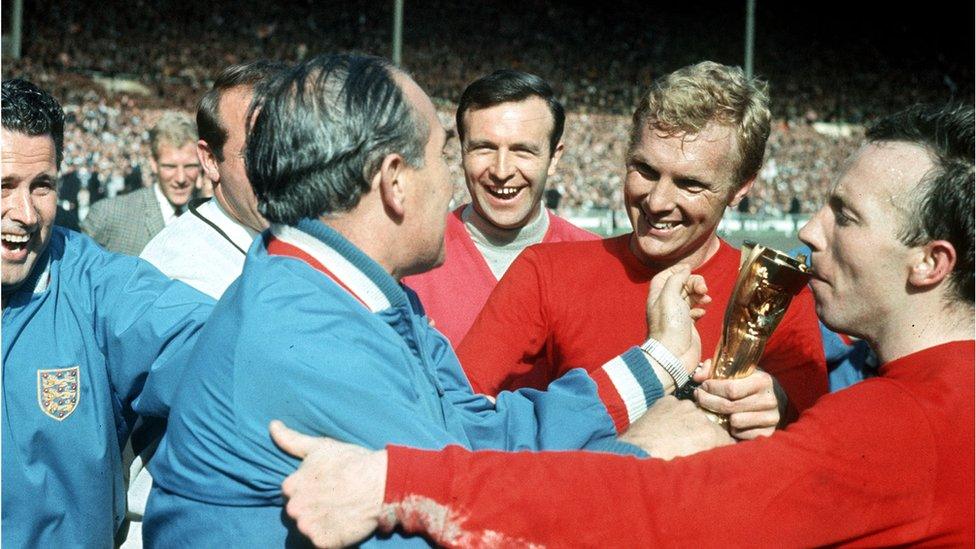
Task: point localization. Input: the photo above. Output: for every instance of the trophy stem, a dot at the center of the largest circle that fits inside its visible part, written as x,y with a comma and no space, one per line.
767,281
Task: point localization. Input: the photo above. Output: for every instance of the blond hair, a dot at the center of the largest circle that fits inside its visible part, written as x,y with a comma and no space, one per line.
173,128
685,101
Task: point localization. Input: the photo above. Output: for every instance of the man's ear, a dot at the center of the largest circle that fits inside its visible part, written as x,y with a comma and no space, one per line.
738,195
932,264
391,181
153,166
208,161
556,155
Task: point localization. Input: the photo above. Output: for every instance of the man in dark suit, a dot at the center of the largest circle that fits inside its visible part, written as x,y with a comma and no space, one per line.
125,224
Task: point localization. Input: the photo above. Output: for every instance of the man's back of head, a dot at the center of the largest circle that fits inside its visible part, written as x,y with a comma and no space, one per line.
321,133
221,122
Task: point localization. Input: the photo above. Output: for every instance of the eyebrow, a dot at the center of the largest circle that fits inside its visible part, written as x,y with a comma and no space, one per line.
836,202
682,177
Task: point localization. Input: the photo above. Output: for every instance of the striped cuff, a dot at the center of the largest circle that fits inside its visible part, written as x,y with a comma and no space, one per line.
627,386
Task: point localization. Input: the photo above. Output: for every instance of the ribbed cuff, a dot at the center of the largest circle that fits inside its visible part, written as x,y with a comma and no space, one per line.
627,386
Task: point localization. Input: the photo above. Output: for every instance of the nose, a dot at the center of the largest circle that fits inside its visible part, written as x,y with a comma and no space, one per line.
660,197
19,207
811,233
180,174
502,169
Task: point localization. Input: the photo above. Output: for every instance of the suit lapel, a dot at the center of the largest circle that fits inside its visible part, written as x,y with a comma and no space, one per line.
154,216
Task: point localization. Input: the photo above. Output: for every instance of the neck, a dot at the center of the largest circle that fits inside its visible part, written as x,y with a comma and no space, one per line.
498,236
367,234
920,328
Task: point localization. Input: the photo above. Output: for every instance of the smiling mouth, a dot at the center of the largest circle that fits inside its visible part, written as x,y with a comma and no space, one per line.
15,243
504,193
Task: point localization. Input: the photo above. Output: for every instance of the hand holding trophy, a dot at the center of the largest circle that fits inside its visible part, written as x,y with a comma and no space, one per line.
768,279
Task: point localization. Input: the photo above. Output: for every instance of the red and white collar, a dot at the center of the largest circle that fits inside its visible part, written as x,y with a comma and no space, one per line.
291,242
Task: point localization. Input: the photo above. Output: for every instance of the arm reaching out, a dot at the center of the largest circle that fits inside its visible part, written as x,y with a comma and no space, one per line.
336,495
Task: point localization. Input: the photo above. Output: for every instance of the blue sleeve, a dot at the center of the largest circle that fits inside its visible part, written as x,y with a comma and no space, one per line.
146,325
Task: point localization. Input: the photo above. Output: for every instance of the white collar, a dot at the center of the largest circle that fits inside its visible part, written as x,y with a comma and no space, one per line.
167,209
241,235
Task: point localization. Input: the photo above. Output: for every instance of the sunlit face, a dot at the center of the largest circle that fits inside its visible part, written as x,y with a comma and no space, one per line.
506,159
177,170
859,264
30,202
233,189
432,196
676,190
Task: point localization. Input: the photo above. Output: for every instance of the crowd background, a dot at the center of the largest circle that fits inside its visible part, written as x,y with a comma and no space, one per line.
116,64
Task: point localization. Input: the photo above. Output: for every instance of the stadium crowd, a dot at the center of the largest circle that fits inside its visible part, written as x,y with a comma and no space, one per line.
172,51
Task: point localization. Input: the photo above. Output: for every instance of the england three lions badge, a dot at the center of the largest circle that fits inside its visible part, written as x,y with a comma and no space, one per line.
58,391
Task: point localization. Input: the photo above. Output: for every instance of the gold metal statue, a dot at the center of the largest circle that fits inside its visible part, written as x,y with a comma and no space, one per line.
768,279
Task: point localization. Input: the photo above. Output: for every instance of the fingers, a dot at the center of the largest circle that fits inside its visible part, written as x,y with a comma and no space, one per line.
736,389
675,284
696,286
751,425
703,371
293,442
717,396
661,279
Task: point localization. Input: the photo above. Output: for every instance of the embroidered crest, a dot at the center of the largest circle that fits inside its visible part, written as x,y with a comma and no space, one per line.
58,391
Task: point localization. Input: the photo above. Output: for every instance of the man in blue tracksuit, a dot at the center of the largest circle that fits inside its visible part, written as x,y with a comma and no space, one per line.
345,157
91,340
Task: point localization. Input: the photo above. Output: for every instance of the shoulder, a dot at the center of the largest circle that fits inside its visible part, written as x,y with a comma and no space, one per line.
186,232
565,250
119,205
561,229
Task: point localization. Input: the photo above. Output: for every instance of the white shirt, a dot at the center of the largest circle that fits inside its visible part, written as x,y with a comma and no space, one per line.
167,209
190,250
193,251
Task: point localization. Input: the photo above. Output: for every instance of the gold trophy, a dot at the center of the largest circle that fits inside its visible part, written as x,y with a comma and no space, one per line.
768,279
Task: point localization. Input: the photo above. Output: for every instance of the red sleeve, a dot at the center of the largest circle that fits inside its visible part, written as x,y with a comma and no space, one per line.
827,479
504,347
794,354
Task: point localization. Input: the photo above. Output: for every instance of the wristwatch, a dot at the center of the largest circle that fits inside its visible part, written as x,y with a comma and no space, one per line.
684,385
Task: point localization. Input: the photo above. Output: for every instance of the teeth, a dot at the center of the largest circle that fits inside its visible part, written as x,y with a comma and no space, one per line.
505,191
16,238
663,226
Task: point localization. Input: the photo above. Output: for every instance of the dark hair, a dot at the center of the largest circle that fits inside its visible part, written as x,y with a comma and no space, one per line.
944,209
322,132
208,112
506,86
32,111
